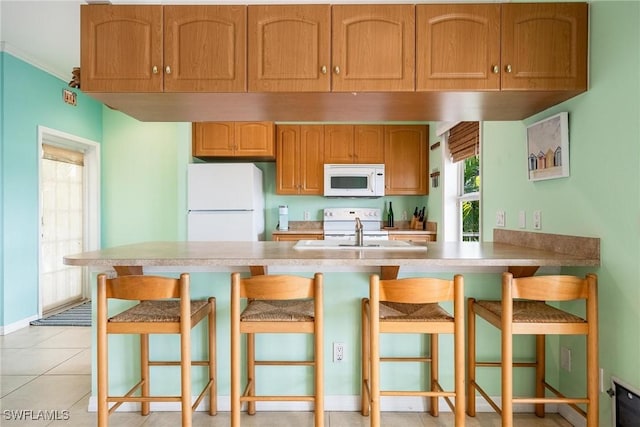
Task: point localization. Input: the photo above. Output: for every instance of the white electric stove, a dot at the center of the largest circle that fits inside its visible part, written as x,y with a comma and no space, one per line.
340,224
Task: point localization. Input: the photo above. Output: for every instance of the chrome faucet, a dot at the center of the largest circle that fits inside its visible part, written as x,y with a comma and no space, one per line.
359,238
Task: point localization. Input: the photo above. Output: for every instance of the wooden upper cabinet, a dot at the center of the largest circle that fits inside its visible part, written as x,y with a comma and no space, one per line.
373,47
518,46
368,143
289,48
205,48
544,46
353,144
234,139
457,47
406,159
121,48
131,48
300,159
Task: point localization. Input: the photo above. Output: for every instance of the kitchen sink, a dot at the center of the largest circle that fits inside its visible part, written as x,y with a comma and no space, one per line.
350,245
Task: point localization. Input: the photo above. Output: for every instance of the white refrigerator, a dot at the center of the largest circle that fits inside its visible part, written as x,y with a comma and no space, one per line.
225,201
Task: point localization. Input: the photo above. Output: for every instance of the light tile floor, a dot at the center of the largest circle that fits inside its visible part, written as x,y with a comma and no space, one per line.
46,368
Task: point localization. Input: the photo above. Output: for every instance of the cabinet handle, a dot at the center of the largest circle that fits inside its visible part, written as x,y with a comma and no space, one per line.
323,69
154,70
507,68
336,69
167,70
495,69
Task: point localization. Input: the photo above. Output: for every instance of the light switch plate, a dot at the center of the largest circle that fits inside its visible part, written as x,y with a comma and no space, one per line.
537,220
500,219
522,219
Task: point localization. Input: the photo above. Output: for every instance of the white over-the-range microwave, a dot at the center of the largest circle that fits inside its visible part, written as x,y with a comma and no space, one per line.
354,180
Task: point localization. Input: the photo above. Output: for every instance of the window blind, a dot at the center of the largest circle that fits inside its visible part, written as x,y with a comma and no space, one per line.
464,140
59,154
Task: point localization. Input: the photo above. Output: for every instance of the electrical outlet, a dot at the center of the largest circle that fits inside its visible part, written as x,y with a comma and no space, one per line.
500,218
307,215
537,220
522,219
338,351
565,358
601,380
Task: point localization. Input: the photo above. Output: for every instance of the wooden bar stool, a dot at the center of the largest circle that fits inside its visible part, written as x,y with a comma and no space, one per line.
410,306
275,304
523,311
164,308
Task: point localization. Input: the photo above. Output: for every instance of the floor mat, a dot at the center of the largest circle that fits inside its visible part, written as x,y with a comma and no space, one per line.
79,315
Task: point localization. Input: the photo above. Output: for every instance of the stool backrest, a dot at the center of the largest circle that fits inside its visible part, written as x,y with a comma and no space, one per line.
143,288
277,287
415,290
549,288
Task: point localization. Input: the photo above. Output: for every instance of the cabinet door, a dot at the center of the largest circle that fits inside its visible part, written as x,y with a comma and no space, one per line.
211,139
312,160
299,159
406,159
121,48
289,48
457,47
368,143
205,48
373,48
544,46
287,155
254,139
338,144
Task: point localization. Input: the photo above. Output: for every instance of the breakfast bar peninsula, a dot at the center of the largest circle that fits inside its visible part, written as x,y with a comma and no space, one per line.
346,272
509,250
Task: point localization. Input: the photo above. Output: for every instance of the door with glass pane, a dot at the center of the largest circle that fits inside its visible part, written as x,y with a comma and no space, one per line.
62,228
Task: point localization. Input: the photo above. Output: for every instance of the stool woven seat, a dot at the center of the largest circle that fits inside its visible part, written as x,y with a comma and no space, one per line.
156,311
532,312
284,311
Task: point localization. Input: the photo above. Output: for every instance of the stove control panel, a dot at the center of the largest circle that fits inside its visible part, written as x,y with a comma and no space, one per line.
350,214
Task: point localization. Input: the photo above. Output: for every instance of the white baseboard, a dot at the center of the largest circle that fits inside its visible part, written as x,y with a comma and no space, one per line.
12,327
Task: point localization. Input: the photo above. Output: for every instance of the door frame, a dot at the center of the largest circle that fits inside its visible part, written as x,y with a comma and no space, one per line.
91,197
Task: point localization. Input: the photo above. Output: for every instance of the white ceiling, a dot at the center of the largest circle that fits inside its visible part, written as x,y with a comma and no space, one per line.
43,33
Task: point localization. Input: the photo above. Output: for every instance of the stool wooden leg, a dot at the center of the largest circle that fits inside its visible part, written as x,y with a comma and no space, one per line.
366,359
374,383
471,358
213,377
540,372
185,375
593,408
144,371
319,374
434,374
458,354
103,377
235,360
507,368
251,371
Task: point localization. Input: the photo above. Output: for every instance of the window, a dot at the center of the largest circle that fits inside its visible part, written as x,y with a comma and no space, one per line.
469,200
461,183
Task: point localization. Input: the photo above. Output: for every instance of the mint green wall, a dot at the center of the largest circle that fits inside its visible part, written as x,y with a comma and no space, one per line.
30,97
601,198
144,179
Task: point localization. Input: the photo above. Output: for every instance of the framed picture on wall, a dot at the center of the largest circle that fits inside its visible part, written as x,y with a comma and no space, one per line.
548,148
